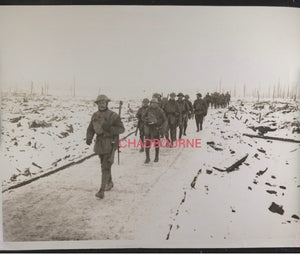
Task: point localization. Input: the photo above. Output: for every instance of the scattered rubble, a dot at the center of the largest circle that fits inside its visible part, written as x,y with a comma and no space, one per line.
274,208
261,172
38,124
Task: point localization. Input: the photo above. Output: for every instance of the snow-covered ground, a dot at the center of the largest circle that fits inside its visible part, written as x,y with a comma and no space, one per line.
184,198
40,134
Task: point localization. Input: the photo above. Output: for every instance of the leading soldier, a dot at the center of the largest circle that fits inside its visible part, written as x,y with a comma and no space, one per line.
154,119
200,109
107,126
141,124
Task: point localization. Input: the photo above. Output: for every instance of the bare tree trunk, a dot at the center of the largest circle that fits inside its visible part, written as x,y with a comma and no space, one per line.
31,88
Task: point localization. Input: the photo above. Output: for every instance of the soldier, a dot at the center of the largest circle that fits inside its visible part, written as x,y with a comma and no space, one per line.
227,95
200,110
107,126
207,99
154,119
158,97
183,113
190,112
165,128
172,112
140,125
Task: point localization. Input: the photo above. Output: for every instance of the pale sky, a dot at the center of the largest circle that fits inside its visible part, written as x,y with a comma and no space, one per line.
124,50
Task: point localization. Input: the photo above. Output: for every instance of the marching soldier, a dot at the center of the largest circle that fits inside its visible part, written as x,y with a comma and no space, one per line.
200,110
140,126
158,97
227,95
207,99
183,113
165,127
172,112
107,126
154,119
190,112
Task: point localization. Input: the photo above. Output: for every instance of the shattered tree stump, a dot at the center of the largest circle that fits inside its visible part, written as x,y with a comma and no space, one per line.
232,166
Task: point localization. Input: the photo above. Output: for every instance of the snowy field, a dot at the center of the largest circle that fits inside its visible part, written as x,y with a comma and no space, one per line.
191,197
39,134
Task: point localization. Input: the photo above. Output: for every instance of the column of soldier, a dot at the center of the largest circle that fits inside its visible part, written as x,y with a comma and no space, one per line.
164,116
159,119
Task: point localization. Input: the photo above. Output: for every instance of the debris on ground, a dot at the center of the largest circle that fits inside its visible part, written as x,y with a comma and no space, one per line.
233,166
275,208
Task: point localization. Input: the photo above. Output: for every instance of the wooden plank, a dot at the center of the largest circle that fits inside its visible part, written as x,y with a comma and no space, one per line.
233,166
272,138
53,171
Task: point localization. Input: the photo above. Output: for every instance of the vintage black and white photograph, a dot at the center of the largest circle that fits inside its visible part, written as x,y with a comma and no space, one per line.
150,126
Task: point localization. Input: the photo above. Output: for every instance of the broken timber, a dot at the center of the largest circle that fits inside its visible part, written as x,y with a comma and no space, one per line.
233,166
54,170
273,138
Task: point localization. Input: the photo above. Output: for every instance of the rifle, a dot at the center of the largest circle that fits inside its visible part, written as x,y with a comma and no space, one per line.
120,108
137,128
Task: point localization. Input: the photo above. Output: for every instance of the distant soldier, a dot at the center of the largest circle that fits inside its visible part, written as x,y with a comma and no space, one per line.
158,97
207,99
154,119
227,95
200,110
172,112
213,100
165,128
223,100
190,112
183,113
107,126
140,125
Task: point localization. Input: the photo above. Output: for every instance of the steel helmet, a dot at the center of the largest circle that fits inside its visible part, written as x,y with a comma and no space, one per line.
102,97
154,100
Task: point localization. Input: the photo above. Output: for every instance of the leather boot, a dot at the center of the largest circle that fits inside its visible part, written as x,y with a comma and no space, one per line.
147,155
156,154
104,181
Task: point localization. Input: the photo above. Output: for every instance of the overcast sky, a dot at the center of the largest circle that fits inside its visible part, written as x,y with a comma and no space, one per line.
128,49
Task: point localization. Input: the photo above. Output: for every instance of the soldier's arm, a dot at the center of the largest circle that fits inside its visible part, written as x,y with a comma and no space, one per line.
163,118
177,110
90,132
117,127
192,108
138,114
144,116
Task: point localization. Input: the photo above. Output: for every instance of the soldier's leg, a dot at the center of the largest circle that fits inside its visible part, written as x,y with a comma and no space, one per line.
197,122
147,149
142,135
180,130
201,121
110,183
185,126
156,149
105,168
